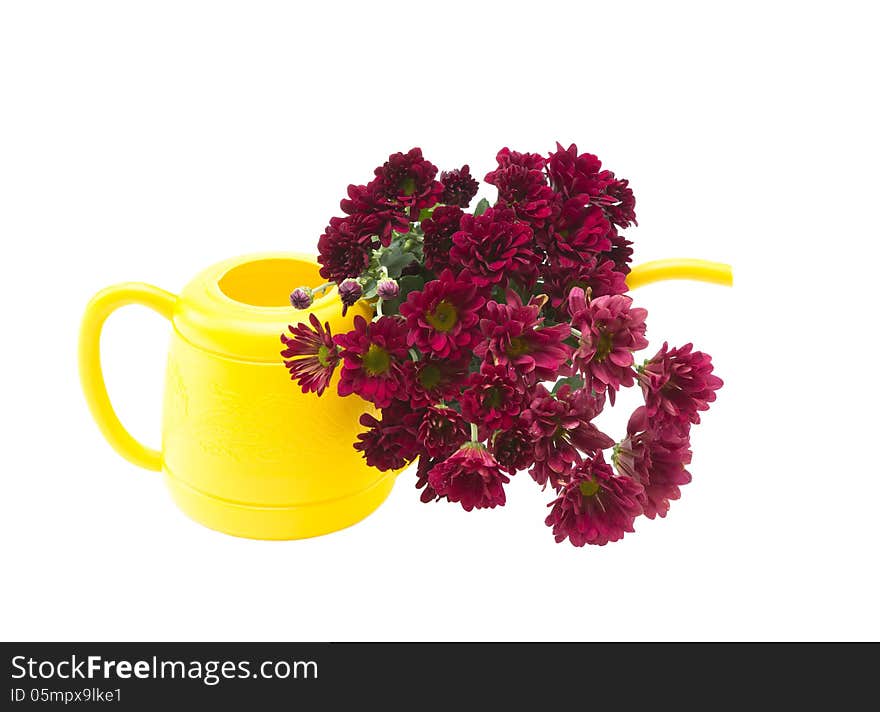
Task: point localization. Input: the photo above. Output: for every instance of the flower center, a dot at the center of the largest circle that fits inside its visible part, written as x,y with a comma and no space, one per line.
517,347
603,346
589,488
408,185
493,397
444,316
429,377
376,361
324,355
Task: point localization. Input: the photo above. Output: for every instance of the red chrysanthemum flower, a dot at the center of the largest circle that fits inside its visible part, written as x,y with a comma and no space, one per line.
561,430
423,468
495,247
576,174
494,397
514,448
471,477
620,203
678,383
621,251
384,216
433,380
655,455
459,187
578,234
595,506
407,179
442,431
438,229
443,317
514,334
344,248
611,330
392,442
599,276
373,356
522,186
311,355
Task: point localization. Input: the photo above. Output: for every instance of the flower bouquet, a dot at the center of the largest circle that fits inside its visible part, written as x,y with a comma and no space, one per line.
498,337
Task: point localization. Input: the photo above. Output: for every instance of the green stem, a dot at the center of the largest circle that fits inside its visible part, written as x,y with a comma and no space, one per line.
323,287
475,434
577,334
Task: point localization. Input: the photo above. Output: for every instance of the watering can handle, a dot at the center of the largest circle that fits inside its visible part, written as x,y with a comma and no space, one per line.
91,375
680,268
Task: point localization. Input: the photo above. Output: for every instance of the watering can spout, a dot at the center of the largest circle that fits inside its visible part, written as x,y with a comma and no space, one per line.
680,268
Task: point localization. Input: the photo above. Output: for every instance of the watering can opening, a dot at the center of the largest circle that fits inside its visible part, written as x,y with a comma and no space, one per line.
268,282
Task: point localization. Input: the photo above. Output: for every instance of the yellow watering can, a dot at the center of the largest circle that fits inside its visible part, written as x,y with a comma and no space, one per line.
244,451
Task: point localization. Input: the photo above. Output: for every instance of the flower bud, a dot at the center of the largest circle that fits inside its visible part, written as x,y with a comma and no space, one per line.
387,288
350,291
301,298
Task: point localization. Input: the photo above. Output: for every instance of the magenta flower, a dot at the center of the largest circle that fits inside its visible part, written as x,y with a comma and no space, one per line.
576,174
311,355
459,187
392,442
494,397
373,356
407,179
513,333
344,248
423,468
471,477
382,215
578,234
601,277
513,448
561,430
432,380
439,229
442,431
595,506
522,186
611,330
678,383
655,455
494,247
443,317
621,253
619,203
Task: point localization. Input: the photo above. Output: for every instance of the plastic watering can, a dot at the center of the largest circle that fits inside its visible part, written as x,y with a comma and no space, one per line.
244,451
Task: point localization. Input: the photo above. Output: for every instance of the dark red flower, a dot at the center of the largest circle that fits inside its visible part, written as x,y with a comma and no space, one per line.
655,455
439,229
600,277
443,317
678,383
407,179
522,186
621,251
513,448
311,355
344,248
373,356
595,506
470,476
576,174
392,442
432,380
578,234
442,431
620,203
459,187
423,468
494,397
513,333
611,330
495,247
383,215
561,430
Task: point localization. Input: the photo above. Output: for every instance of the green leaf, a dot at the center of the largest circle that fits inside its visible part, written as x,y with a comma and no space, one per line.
481,208
369,286
394,258
575,382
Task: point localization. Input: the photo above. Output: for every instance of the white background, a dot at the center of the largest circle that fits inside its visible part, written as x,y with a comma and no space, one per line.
145,141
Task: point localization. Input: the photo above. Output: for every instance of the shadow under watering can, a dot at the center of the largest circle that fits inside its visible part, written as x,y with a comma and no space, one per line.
244,451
